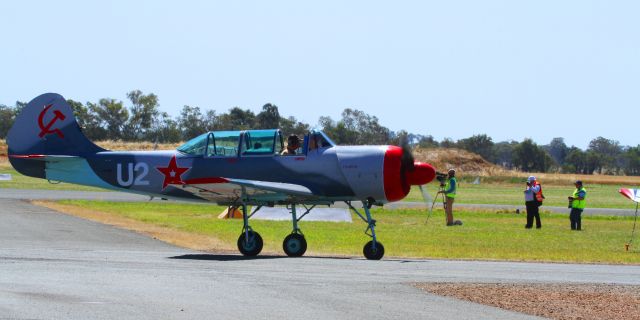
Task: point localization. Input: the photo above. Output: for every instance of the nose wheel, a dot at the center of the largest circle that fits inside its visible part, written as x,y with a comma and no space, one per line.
294,245
373,251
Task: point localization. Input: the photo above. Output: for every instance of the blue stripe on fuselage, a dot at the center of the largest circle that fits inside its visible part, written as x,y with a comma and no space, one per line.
74,170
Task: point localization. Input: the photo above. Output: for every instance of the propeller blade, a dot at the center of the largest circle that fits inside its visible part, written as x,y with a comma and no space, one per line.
407,159
425,194
427,200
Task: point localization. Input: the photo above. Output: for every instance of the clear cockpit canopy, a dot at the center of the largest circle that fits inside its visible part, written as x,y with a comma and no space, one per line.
261,142
249,143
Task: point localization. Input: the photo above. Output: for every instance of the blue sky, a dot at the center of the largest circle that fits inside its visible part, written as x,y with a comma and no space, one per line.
510,69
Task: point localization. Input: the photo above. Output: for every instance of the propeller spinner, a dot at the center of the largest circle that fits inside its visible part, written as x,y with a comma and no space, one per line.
416,173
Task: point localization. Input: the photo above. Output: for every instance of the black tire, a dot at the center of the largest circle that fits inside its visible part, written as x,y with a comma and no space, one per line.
373,254
252,247
294,245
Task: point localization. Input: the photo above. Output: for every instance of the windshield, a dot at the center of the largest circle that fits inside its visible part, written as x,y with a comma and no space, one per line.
319,140
195,146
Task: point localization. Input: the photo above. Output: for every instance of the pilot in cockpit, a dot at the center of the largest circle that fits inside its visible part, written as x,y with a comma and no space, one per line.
293,143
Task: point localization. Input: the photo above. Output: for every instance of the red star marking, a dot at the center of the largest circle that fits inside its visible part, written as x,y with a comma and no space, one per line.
172,173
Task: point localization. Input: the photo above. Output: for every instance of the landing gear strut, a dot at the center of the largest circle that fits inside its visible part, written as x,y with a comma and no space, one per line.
295,245
249,242
373,250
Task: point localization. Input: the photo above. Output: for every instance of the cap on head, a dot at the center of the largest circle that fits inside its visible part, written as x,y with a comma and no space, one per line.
531,179
579,182
452,171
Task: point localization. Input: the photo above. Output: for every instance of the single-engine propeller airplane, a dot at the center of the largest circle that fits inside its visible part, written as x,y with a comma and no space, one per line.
233,168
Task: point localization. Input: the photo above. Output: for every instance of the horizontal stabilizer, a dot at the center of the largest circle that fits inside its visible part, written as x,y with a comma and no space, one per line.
43,157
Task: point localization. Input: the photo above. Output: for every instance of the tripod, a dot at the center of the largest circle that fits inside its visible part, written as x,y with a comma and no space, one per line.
444,202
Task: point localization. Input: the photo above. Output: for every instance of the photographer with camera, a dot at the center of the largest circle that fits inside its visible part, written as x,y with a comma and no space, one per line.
577,204
533,200
449,189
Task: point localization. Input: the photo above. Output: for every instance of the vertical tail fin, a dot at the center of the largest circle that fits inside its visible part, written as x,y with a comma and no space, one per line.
46,126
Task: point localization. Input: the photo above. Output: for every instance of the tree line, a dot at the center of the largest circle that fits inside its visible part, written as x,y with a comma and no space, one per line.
140,119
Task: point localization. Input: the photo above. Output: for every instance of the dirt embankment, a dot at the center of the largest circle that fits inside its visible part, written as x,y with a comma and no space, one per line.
464,161
471,165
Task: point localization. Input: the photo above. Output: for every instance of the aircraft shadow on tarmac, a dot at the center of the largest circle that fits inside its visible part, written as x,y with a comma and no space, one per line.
233,257
222,257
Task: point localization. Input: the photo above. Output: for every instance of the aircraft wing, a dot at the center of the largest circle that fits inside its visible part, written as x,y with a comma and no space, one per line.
227,190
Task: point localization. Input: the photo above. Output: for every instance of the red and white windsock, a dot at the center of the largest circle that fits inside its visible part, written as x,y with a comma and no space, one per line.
632,194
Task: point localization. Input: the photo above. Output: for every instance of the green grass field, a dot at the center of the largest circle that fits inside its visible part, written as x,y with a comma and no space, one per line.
598,196
484,236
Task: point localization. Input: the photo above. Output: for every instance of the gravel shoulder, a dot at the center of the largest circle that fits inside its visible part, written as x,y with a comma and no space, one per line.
555,301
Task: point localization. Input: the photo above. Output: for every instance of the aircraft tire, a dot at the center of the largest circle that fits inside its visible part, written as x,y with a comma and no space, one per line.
294,245
372,254
252,248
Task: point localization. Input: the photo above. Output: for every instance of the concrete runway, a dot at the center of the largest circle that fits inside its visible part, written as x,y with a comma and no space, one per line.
54,266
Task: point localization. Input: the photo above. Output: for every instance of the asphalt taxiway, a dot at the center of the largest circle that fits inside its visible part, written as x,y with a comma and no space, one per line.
55,266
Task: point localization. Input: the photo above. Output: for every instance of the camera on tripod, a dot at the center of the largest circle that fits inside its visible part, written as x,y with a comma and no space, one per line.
442,178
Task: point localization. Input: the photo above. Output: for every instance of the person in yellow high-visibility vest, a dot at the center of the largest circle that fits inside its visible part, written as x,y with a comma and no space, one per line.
450,190
577,203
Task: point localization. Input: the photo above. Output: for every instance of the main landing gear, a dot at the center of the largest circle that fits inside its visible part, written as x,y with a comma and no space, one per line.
294,245
373,250
249,242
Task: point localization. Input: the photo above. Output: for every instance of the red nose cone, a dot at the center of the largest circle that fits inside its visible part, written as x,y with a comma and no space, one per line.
423,173
395,188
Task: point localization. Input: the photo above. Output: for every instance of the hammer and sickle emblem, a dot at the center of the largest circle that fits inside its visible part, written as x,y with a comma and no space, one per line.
46,129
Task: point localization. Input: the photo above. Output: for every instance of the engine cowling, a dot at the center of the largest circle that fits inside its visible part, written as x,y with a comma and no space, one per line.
377,172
